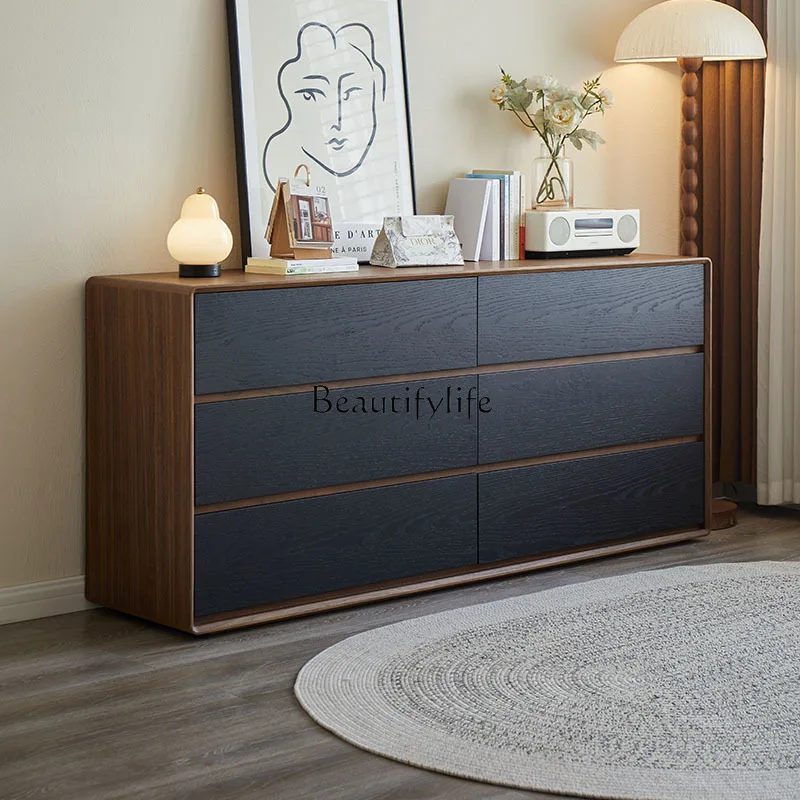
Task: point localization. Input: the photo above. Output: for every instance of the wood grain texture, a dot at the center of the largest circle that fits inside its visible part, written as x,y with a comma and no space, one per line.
249,448
444,579
288,550
299,388
215,718
690,155
545,316
139,499
235,280
475,469
596,405
723,514
257,339
557,507
708,396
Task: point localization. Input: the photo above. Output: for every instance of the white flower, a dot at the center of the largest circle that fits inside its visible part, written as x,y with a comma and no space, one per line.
564,116
542,83
606,97
560,93
498,94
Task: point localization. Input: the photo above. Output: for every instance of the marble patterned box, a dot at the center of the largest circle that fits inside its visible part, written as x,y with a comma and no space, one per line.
417,241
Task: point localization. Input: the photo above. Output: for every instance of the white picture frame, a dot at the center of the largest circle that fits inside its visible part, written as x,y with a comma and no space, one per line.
325,88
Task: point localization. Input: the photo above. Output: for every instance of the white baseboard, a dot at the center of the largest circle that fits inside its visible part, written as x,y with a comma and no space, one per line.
46,599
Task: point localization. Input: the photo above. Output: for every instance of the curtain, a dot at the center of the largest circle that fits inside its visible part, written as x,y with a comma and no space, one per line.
779,290
732,149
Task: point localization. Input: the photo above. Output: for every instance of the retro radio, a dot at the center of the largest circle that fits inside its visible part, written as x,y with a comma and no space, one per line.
561,233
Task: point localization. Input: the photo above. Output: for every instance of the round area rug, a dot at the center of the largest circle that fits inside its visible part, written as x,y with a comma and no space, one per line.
676,684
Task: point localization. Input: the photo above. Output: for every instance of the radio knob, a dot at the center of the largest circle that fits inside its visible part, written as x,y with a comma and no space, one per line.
559,231
627,228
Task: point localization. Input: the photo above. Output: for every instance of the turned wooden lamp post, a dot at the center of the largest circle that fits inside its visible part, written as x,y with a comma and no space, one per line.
690,32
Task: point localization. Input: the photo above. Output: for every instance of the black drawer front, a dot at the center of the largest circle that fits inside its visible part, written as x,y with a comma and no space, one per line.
560,314
565,409
282,337
571,504
268,445
277,552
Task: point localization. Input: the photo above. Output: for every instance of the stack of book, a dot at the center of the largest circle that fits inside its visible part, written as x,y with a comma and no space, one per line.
300,266
490,216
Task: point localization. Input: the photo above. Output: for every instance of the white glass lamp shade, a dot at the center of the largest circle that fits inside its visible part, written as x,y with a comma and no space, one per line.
704,29
199,238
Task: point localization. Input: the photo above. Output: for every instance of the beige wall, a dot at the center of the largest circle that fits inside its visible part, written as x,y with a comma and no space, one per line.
115,110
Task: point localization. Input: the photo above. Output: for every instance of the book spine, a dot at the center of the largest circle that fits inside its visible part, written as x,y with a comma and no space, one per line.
317,263
294,270
503,226
523,207
301,270
507,217
515,214
326,265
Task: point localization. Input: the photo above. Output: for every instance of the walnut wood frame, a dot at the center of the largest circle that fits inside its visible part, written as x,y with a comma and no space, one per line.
140,511
690,155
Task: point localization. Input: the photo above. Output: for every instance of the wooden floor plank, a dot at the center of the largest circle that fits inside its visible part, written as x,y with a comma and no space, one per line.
99,706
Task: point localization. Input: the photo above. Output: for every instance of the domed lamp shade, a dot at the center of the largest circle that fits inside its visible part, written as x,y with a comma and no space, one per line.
680,29
199,240
689,32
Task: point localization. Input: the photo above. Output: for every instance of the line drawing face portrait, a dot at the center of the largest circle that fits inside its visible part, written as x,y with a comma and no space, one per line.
322,84
331,89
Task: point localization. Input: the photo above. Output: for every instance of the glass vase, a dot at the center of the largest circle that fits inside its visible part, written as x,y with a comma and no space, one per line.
552,180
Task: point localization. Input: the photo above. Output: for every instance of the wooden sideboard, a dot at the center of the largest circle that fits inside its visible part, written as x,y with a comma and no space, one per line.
263,447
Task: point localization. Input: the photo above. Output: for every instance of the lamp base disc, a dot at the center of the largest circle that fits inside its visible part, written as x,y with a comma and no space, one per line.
198,270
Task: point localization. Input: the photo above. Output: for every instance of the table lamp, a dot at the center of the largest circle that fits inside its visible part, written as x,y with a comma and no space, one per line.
199,240
689,32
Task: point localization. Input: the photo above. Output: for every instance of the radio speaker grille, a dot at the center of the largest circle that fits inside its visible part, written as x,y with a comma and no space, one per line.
627,229
559,231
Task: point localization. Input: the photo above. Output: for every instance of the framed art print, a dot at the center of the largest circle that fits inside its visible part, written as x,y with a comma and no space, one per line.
322,85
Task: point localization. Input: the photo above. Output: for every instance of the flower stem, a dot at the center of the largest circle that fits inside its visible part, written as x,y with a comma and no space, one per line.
547,188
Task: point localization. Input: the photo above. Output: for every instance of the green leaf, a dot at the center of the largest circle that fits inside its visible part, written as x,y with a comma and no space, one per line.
519,97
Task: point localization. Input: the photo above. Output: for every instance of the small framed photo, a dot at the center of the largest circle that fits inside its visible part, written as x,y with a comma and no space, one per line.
321,84
311,217
300,220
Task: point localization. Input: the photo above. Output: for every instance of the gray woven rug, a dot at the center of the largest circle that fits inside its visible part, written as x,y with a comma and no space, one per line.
676,684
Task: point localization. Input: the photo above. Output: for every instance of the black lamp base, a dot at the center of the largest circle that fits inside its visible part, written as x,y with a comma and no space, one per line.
198,270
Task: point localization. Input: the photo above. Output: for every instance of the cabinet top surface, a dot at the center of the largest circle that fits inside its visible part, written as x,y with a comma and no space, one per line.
234,279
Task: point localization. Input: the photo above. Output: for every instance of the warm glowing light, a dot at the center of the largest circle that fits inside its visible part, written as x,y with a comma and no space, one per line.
704,29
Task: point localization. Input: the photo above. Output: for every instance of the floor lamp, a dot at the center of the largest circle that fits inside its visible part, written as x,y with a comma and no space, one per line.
690,32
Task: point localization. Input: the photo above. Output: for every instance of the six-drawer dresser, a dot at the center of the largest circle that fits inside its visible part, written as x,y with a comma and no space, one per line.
261,447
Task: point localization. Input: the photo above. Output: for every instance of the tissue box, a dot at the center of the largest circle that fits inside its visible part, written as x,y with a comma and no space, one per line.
417,241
